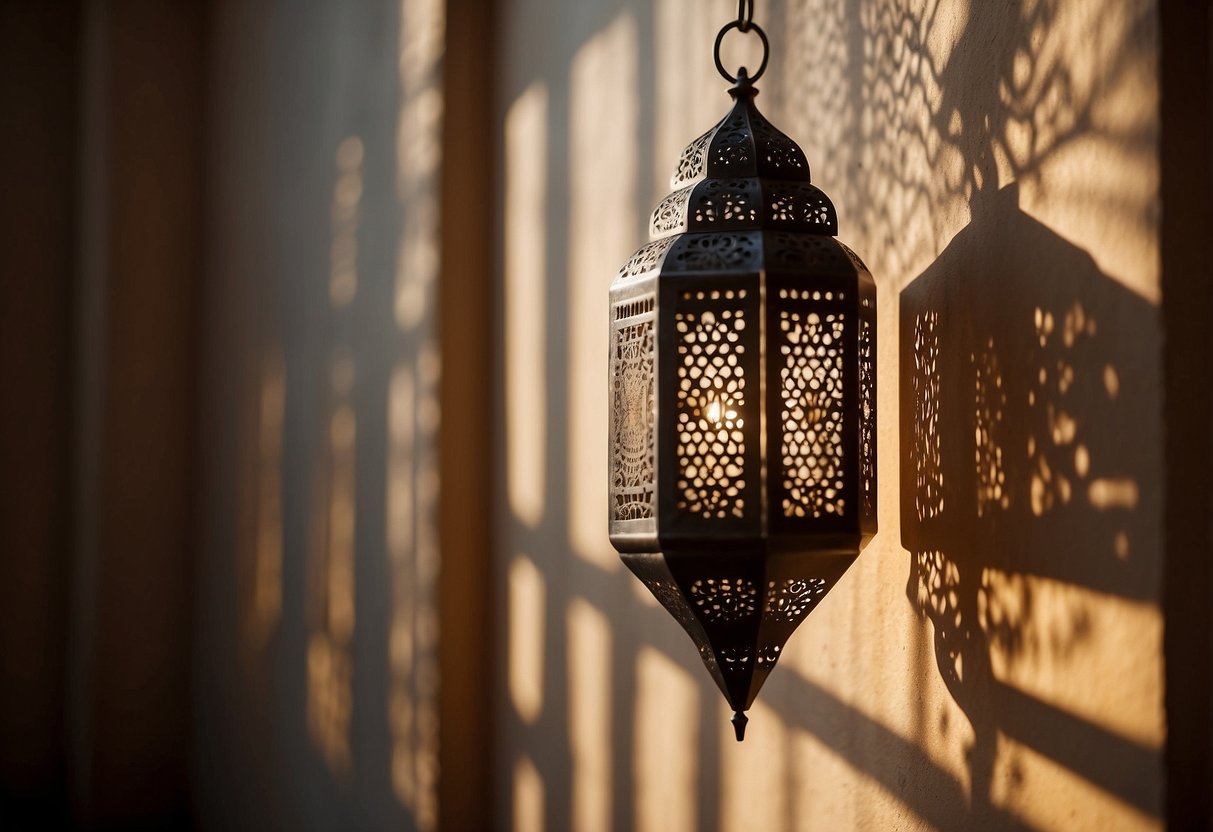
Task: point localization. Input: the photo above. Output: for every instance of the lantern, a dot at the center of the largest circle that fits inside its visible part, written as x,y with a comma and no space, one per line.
743,397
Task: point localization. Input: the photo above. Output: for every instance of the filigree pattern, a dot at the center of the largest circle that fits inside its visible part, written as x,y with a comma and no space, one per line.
867,417
714,252
726,200
710,407
735,657
724,599
768,655
634,428
647,258
802,203
792,599
776,151
733,145
671,213
811,387
691,163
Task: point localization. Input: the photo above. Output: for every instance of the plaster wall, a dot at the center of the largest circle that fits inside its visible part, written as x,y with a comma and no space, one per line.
993,660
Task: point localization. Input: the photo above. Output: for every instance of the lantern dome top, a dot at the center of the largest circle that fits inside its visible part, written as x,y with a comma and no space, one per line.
743,175
742,144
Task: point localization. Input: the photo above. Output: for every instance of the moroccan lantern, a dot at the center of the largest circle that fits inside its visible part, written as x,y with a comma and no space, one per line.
743,397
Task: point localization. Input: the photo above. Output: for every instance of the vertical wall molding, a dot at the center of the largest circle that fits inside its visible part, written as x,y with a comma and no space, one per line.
1186,161
466,296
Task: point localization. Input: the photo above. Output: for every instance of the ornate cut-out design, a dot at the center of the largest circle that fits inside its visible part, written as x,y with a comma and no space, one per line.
724,599
735,657
711,399
928,473
690,165
634,428
791,600
867,417
807,251
811,379
733,145
726,200
811,294
646,258
767,656
714,252
671,213
777,151
800,202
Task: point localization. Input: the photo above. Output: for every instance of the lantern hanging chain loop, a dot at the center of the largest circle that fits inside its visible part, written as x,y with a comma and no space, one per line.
745,15
742,26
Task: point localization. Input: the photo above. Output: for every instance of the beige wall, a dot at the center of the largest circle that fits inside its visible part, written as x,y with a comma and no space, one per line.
994,658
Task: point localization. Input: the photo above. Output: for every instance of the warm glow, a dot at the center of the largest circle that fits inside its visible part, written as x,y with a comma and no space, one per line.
667,746
603,231
527,607
589,638
526,290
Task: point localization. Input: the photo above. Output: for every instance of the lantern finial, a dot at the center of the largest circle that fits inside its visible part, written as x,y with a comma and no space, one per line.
740,720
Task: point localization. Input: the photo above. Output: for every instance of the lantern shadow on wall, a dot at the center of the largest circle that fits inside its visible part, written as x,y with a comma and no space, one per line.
1027,438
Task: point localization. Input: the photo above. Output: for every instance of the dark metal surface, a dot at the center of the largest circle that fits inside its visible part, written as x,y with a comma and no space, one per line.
743,398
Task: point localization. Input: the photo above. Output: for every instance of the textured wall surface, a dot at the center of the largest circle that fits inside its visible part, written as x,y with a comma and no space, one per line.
993,660
316,691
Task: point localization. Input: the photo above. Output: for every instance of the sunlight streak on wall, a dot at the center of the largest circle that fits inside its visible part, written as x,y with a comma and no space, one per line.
754,773
343,274
689,95
330,661
1034,623
418,155
411,644
526,156
527,609
589,638
602,232
666,745
266,604
1026,779
528,796
413,420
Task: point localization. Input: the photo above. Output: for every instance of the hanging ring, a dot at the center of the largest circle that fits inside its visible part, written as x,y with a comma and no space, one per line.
745,14
742,27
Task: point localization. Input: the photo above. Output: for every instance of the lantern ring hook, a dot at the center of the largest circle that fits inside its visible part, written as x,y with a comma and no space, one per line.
739,26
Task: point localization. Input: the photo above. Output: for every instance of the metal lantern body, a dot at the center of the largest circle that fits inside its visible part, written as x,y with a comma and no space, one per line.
743,400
